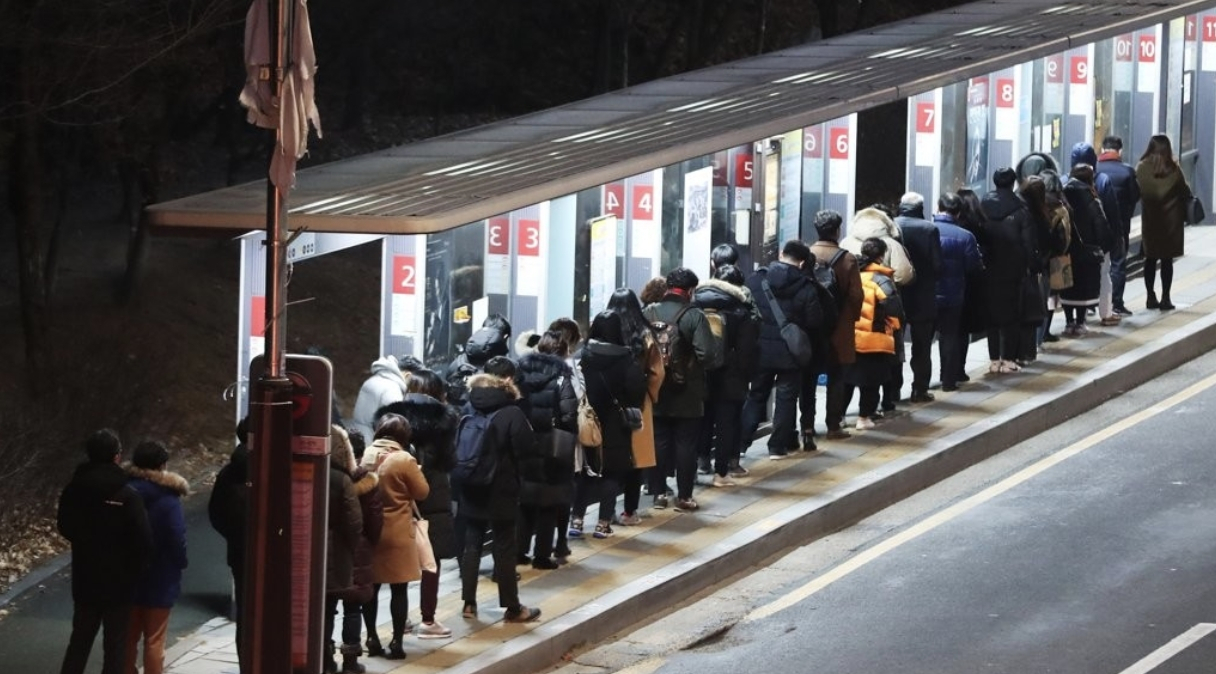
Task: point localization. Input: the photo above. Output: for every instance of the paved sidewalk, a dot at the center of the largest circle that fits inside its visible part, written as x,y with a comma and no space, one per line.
642,571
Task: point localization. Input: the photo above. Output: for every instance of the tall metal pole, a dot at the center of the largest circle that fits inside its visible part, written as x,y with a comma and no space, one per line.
266,646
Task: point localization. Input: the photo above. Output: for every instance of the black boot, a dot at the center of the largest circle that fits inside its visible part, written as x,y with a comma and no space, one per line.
395,652
374,649
350,665
330,665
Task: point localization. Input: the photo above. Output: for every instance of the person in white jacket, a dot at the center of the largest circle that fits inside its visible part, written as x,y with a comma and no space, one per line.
386,385
873,223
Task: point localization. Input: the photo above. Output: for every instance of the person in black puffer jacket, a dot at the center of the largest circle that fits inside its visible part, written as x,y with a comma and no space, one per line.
433,423
546,382
725,296
1010,263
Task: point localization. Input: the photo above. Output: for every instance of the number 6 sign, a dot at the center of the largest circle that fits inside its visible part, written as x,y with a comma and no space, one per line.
839,143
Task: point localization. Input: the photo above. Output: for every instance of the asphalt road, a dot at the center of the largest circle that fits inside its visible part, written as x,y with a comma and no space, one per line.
34,634
1089,549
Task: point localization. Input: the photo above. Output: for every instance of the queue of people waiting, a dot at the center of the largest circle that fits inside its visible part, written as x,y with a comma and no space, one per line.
533,451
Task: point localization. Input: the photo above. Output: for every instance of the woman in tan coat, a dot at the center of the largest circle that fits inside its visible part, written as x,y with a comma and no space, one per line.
1163,195
395,558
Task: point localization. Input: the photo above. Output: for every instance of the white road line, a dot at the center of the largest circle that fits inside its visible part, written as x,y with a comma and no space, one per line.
931,523
1174,647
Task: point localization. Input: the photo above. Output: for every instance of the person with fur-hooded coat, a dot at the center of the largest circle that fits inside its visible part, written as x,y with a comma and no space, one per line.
495,506
547,383
345,535
873,223
161,582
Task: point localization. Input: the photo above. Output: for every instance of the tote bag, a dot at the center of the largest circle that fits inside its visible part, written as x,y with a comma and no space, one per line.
1060,267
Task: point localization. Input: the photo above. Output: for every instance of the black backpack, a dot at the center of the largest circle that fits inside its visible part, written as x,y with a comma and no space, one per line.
675,350
475,464
485,343
831,299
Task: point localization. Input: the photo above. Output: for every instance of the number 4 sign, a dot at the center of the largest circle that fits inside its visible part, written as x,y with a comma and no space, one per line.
643,202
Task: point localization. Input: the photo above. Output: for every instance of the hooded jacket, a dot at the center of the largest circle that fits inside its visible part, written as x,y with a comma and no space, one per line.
797,299
433,426
104,519
227,505
740,343
366,484
162,492
385,385
547,384
611,375
345,523
924,245
509,436
960,257
1089,229
872,223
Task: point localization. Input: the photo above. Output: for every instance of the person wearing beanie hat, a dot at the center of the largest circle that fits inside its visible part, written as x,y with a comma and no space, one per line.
104,519
161,583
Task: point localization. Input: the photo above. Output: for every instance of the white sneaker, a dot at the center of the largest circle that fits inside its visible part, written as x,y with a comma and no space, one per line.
994,367
721,481
864,424
434,630
1008,366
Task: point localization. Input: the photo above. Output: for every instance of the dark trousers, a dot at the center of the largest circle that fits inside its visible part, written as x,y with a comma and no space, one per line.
834,390
352,623
920,334
785,408
721,432
398,608
1118,277
238,600
950,344
631,487
868,403
675,445
502,550
895,382
588,490
86,620
539,523
1005,342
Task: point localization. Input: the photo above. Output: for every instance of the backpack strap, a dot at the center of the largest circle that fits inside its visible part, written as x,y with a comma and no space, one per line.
836,258
772,303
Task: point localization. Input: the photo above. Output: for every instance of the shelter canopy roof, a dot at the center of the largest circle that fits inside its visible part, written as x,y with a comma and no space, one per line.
463,177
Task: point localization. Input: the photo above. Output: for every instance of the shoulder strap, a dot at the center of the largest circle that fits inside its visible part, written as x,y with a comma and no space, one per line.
836,258
772,303
680,314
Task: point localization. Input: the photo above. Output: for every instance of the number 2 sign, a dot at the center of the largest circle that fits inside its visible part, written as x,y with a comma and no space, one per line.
404,271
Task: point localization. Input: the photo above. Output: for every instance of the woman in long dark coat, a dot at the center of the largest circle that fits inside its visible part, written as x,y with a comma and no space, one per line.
1090,239
613,378
1007,264
547,384
1163,198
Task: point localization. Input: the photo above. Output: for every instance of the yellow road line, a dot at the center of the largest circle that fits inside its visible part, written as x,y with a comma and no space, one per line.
967,504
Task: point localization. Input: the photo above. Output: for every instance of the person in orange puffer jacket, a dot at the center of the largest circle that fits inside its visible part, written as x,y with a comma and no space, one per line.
882,314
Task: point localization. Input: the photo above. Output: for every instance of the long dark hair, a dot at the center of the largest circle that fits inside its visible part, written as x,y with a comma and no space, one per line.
1034,193
971,215
634,326
1160,155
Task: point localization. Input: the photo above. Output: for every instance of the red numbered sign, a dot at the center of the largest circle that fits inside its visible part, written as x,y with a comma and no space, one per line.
529,237
643,202
498,233
257,316
840,143
1147,52
1209,29
1123,48
719,164
404,273
745,169
1055,69
1190,29
1078,70
614,199
812,142
926,117
1004,92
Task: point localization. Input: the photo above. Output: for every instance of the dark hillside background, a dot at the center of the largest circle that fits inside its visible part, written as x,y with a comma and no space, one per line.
106,107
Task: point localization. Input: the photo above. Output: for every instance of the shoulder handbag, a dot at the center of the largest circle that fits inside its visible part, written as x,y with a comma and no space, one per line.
631,417
1194,210
590,434
422,539
1060,271
796,339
